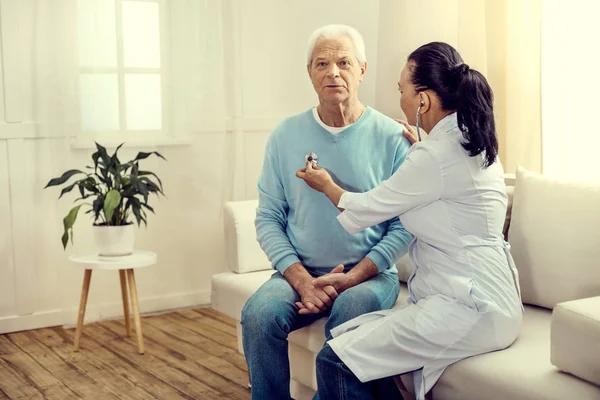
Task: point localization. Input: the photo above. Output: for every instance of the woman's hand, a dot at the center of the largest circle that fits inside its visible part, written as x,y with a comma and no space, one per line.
315,177
409,132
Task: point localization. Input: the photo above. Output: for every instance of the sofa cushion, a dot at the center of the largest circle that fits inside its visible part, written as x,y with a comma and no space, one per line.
230,290
523,371
554,231
575,338
312,337
241,247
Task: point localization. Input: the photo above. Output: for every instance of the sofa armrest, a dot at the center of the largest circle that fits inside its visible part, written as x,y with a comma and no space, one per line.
242,250
575,338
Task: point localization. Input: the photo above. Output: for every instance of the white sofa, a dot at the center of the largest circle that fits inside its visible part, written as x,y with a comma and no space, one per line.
554,232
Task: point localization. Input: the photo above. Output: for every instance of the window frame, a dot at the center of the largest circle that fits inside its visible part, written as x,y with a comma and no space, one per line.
123,133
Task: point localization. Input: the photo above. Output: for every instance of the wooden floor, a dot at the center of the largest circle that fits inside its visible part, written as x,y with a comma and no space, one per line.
190,354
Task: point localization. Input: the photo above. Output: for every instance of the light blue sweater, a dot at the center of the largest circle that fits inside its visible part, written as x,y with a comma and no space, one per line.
297,224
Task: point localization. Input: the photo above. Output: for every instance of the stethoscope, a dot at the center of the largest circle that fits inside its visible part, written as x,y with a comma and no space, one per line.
313,158
422,103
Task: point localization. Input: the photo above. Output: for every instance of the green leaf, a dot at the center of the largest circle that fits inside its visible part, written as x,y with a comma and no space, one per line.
142,155
151,186
87,196
97,206
148,207
136,211
90,184
95,158
103,154
142,173
67,189
141,187
114,163
113,198
65,239
68,223
63,178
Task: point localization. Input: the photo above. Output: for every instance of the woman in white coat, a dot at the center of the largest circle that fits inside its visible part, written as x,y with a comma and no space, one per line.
464,297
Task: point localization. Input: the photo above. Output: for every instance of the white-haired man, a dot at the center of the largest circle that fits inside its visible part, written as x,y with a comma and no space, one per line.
360,147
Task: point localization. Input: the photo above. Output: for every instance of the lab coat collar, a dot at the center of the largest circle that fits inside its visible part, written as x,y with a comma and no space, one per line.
445,125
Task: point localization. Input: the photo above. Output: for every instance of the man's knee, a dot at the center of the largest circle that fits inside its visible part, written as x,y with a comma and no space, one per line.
265,315
353,303
326,358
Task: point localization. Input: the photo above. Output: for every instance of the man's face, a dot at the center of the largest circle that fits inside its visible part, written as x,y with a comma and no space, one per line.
335,71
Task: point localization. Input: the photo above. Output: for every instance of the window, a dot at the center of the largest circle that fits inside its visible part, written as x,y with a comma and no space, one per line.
121,66
570,86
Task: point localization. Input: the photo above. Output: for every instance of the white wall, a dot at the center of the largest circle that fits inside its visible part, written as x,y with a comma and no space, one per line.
275,82
268,81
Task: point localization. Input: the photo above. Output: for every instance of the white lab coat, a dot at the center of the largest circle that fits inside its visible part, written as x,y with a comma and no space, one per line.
464,297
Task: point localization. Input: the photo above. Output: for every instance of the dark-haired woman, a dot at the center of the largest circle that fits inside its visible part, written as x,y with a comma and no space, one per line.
464,296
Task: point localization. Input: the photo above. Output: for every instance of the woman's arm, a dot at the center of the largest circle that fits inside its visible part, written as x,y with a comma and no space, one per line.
417,182
334,193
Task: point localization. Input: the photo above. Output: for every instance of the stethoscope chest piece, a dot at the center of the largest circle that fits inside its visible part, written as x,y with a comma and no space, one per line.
312,157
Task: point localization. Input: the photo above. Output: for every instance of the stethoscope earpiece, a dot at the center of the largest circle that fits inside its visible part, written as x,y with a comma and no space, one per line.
421,103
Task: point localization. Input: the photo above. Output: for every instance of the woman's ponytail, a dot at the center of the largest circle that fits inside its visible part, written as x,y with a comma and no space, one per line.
438,67
475,113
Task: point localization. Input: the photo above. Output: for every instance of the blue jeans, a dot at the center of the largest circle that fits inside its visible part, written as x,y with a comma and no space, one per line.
270,315
336,382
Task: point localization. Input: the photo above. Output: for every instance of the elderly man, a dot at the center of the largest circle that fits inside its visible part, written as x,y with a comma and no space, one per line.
296,226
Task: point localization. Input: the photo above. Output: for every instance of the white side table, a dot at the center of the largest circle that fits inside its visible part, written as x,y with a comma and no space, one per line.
125,265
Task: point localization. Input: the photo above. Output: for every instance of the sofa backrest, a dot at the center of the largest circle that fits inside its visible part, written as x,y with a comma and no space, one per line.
242,250
555,238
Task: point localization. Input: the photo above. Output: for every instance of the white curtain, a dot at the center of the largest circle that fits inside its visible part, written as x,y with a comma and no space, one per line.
500,38
570,87
45,103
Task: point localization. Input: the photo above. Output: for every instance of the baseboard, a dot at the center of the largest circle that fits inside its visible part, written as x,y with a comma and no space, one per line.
42,319
98,312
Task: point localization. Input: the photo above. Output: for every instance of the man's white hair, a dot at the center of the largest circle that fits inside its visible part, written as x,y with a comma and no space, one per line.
336,31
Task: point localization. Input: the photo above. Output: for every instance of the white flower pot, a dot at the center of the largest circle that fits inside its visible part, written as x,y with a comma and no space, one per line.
114,240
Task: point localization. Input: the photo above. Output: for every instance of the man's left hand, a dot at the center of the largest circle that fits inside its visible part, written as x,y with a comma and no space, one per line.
336,278
315,177
339,280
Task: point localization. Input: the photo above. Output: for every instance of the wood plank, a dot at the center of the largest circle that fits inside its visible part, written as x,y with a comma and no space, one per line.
206,339
188,356
15,386
209,312
34,373
61,369
101,365
210,321
160,368
204,326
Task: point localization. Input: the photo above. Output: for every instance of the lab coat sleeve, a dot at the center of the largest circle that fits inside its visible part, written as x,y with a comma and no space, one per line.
271,215
396,240
417,182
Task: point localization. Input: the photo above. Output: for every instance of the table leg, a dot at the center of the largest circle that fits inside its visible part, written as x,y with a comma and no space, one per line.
87,277
123,279
136,310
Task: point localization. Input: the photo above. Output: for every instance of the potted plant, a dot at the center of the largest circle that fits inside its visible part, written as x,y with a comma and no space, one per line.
115,193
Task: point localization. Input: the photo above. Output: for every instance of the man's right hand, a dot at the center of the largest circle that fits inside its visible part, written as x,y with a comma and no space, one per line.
314,299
